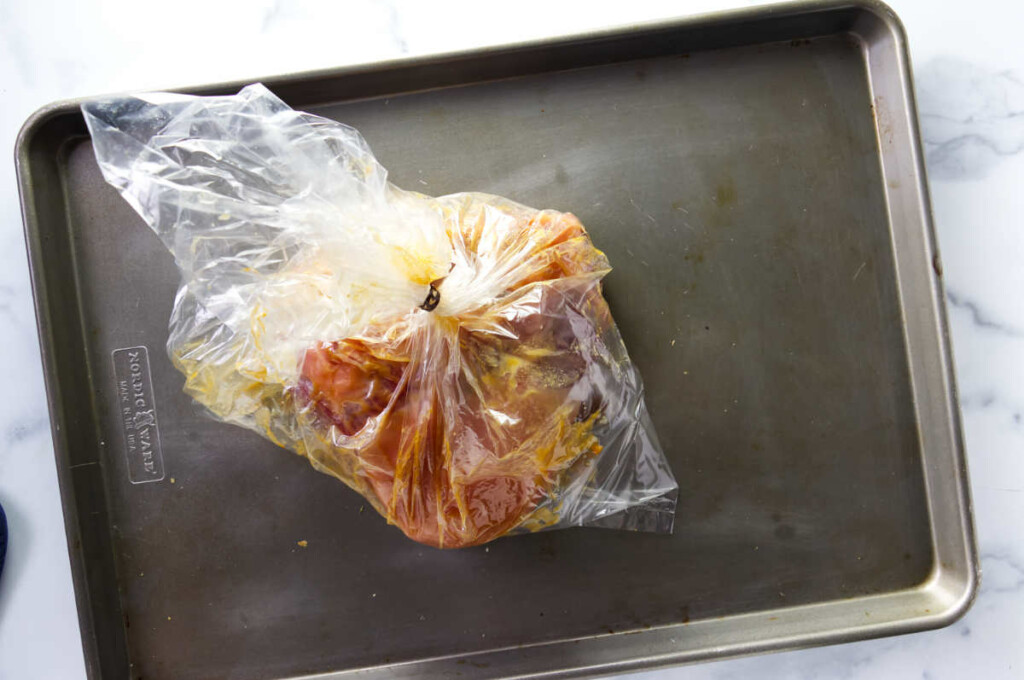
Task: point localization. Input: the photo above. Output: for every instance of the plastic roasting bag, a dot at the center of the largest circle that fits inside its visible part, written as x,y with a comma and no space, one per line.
452,359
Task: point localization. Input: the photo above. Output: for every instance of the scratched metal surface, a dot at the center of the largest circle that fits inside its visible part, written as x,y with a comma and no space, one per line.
738,178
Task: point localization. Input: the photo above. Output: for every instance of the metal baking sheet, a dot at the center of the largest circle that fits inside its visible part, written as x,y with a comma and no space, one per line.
756,180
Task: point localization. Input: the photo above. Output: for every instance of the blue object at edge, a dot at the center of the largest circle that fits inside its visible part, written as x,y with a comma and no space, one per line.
3,538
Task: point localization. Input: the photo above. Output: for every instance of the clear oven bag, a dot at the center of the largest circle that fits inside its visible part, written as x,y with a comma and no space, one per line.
452,359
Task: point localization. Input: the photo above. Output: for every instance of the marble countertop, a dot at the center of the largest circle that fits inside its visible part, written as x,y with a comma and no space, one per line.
969,71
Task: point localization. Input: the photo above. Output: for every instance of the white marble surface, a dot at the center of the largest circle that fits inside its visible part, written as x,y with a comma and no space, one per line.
970,80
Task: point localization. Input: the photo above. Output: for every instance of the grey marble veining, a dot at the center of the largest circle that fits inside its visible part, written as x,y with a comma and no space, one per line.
979,317
972,117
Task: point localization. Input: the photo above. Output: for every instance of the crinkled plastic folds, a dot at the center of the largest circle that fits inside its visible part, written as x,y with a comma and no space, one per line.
452,359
